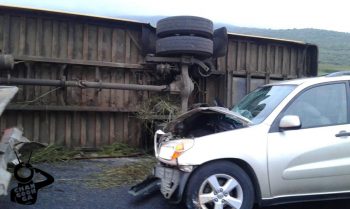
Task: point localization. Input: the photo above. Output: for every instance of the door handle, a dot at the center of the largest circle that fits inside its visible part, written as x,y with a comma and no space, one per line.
342,133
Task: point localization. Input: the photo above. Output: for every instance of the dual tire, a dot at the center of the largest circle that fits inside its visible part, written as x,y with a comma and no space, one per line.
184,35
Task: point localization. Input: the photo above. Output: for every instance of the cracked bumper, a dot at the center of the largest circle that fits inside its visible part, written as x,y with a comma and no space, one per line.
173,182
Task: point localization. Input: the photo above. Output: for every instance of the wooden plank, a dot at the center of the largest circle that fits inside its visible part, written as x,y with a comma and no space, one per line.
68,130
55,39
78,41
294,61
3,122
231,55
30,41
43,90
127,75
90,129
126,120
240,57
73,93
105,94
1,32
60,127
112,136
113,94
63,40
114,47
119,127
14,38
27,124
6,34
92,46
99,44
247,64
121,46
286,61
36,127
39,37
44,127
85,41
106,44
98,130
75,136
84,91
83,129
19,120
276,58
22,35
70,45
52,128
47,38
105,128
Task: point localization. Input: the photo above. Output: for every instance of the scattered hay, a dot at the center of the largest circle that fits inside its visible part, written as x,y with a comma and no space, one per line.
157,110
50,154
54,153
123,175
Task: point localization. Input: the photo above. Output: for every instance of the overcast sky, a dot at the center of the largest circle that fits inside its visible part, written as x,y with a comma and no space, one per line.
274,14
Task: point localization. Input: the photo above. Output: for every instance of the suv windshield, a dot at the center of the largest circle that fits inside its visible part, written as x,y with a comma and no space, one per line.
258,104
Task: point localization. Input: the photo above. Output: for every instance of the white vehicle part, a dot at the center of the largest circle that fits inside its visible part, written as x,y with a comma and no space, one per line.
173,149
11,141
158,132
224,146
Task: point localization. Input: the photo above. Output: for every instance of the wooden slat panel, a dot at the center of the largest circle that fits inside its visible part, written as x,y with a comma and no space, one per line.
22,35
47,38
44,135
253,59
1,32
15,22
78,41
63,40
30,40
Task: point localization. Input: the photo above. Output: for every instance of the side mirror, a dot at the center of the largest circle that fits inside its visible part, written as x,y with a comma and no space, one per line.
290,122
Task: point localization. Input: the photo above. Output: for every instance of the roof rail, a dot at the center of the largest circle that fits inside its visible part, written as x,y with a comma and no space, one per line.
339,73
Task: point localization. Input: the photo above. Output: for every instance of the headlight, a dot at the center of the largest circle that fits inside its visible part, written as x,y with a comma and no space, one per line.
173,149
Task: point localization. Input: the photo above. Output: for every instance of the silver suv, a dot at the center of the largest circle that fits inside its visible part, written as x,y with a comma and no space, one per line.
283,142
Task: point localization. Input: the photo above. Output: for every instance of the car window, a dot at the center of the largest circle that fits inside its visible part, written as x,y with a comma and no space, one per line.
321,106
258,104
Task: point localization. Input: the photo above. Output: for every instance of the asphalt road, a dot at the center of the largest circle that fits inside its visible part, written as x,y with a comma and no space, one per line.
70,191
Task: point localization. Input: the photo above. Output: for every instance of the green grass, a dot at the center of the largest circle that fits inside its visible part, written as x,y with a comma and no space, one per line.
329,68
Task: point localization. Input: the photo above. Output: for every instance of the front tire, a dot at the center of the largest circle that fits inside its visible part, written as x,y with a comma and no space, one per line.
220,185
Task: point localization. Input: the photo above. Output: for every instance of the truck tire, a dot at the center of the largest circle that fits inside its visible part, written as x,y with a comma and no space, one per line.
184,25
178,45
219,185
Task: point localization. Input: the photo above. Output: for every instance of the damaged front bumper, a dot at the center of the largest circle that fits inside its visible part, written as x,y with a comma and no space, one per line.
169,180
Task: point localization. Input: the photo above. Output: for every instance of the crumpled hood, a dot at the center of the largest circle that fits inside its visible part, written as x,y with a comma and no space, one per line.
6,94
221,110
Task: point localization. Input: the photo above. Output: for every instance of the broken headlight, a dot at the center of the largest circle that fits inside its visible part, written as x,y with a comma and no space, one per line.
171,150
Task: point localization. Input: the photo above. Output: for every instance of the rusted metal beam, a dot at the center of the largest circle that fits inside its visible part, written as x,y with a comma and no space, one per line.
78,62
68,108
81,84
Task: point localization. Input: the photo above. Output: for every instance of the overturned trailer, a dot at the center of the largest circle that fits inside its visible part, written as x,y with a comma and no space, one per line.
81,79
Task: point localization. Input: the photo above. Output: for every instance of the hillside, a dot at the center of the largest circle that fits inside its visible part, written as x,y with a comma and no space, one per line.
334,47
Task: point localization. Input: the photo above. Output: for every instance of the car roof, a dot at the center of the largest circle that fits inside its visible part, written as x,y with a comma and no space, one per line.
314,80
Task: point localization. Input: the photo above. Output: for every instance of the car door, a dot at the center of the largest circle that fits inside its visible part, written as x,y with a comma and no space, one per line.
315,158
